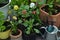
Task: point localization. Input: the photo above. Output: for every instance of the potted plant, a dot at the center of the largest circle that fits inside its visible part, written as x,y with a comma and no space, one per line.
15,6
30,31
28,16
16,33
22,14
5,27
50,10
4,6
18,7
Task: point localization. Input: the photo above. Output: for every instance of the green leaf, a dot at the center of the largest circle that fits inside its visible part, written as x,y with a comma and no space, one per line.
2,15
41,2
37,11
1,18
1,22
37,24
27,32
2,28
26,7
36,30
33,0
25,23
50,6
19,21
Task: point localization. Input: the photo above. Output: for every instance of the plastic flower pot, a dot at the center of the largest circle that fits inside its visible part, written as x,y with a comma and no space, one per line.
5,34
5,8
31,36
17,37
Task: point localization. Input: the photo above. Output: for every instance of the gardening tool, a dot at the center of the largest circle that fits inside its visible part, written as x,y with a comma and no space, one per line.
51,31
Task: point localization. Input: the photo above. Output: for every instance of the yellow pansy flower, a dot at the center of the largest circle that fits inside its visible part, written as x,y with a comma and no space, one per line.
16,7
14,17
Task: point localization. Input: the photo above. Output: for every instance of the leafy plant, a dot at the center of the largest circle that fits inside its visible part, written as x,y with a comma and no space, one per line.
2,27
28,20
29,24
23,11
14,25
34,12
51,4
18,2
41,2
28,15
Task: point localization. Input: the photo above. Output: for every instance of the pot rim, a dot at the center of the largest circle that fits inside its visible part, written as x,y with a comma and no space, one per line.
6,4
6,30
12,36
48,13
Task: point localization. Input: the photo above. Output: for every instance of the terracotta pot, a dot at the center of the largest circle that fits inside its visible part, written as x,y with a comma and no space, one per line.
18,37
55,18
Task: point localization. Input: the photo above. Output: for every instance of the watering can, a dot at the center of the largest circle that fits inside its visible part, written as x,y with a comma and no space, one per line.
51,32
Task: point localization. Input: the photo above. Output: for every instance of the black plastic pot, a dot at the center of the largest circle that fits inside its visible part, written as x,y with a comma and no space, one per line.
6,24
32,36
25,37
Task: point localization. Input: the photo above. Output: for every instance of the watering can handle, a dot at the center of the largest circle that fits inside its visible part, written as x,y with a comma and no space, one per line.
9,1
43,28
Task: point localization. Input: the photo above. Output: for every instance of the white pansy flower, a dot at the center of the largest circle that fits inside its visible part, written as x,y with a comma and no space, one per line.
32,5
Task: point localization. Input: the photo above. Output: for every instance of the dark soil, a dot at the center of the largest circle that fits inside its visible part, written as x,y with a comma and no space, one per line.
7,25
21,27
1,5
4,3
15,34
53,12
